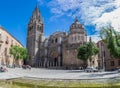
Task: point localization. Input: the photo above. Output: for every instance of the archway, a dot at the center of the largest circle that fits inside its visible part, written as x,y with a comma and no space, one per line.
56,62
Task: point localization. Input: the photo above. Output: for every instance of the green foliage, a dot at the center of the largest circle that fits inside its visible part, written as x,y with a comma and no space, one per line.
23,53
18,52
86,51
91,49
82,52
112,39
30,83
14,50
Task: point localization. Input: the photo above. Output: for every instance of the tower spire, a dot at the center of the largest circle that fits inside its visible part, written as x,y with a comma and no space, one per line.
76,19
37,8
90,39
35,35
36,16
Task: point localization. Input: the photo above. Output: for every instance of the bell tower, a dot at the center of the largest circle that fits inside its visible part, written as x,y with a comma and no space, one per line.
34,35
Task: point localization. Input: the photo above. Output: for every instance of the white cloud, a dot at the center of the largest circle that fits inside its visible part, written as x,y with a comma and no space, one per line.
112,18
41,2
95,12
95,38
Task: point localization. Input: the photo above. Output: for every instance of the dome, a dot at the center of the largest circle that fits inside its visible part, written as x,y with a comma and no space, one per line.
76,25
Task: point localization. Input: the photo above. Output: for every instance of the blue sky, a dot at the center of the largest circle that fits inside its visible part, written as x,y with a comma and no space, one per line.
59,15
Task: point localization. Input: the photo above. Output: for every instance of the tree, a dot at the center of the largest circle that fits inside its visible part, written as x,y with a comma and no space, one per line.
82,54
14,51
86,51
18,53
112,39
23,53
91,50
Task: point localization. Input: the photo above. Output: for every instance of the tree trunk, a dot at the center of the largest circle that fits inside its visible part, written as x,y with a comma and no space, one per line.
85,64
90,61
13,62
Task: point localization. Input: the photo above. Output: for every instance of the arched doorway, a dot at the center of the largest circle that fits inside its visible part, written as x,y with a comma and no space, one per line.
54,57
56,62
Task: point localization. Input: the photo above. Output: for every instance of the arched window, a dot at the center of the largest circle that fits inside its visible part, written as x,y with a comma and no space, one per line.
52,41
73,26
82,37
38,28
75,38
56,40
78,37
71,39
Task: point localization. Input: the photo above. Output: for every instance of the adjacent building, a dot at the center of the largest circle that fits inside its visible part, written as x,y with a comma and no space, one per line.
59,49
7,41
105,60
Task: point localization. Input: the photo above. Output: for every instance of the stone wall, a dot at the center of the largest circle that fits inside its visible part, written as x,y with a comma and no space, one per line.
6,42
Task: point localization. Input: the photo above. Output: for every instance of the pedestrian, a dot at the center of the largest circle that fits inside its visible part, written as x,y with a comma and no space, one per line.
14,65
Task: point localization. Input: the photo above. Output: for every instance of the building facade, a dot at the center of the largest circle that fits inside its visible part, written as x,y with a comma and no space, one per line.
59,49
105,60
35,35
6,42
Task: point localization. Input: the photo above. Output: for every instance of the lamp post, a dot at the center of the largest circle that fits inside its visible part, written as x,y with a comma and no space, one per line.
103,62
71,65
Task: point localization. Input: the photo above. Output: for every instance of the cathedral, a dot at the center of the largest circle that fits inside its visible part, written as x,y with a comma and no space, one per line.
59,49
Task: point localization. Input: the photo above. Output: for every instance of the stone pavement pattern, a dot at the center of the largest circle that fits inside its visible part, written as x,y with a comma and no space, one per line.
55,74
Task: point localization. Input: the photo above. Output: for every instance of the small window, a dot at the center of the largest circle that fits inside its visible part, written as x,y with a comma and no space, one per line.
105,64
0,48
11,42
112,63
56,40
5,51
75,38
30,28
7,40
82,37
52,41
104,53
73,26
72,39
78,37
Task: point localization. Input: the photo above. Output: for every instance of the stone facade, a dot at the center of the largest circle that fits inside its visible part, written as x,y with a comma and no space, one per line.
6,41
71,42
59,49
34,35
105,60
